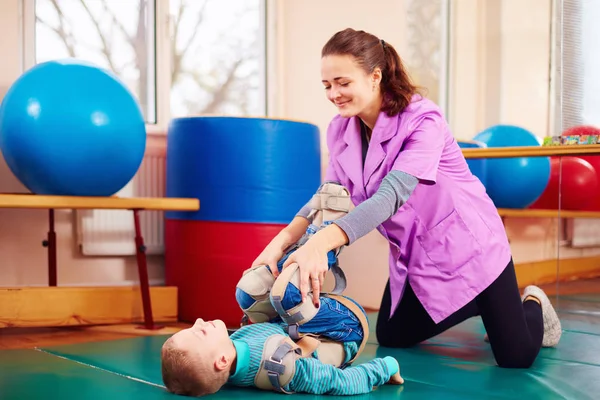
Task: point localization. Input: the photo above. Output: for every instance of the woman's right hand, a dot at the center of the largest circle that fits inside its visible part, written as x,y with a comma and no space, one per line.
275,250
270,256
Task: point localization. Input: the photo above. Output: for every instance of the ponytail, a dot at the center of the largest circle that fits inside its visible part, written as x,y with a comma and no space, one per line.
396,86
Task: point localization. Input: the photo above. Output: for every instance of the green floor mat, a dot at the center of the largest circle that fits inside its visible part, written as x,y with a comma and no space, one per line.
137,357
457,364
467,338
580,323
34,374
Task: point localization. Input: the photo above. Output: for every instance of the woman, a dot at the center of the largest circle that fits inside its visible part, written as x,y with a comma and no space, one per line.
449,255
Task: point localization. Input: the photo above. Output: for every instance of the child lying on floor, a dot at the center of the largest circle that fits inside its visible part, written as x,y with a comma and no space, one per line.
280,350
202,359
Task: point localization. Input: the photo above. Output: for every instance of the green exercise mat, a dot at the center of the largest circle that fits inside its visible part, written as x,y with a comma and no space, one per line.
457,364
35,374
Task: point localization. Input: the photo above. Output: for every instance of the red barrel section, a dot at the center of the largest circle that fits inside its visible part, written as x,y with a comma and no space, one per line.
205,261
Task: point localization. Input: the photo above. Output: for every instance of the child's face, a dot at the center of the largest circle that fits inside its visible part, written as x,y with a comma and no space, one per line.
196,359
205,338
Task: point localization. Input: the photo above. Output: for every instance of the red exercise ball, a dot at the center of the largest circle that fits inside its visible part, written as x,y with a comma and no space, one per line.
579,185
581,130
594,203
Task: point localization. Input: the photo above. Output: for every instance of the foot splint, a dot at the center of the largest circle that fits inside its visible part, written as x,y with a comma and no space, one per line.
332,201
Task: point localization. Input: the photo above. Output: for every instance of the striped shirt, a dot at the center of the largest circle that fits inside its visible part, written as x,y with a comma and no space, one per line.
311,375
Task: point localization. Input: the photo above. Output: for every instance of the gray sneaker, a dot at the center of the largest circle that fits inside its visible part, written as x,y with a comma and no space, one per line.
552,326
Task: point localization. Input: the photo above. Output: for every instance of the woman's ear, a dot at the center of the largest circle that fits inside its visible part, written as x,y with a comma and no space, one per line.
376,76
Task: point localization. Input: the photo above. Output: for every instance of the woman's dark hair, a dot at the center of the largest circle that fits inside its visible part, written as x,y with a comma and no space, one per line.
370,52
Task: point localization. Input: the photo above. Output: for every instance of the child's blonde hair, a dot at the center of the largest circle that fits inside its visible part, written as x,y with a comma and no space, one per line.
187,375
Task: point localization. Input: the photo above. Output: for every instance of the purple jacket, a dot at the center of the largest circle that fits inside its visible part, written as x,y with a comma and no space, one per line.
448,237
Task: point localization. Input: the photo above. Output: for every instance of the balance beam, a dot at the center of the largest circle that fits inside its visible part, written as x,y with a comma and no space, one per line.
136,205
532,151
539,213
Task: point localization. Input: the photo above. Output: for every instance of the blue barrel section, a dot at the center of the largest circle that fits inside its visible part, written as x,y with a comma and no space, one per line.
249,170
478,166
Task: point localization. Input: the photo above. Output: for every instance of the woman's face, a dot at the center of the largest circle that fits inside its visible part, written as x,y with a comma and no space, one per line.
349,87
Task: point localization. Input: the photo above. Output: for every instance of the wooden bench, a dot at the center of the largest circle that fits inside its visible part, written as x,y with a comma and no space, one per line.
134,204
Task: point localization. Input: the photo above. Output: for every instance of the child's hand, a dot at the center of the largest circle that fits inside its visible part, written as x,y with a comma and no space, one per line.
396,379
394,369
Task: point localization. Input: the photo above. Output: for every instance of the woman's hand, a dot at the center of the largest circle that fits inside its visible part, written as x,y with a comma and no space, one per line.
312,259
269,257
312,267
275,250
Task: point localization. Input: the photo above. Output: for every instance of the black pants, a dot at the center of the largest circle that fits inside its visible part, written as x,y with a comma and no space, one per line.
515,329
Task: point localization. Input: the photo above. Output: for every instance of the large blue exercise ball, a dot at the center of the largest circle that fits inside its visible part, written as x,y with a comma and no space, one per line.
68,127
515,182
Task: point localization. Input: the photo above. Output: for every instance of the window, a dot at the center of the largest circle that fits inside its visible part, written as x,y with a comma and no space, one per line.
214,50
218,52
114,34
590,62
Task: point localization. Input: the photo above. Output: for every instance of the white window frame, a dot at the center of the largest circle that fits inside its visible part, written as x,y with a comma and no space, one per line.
273,47
163,68
162,42
445,57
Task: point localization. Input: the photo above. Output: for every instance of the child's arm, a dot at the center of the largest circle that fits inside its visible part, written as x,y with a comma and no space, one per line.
312,376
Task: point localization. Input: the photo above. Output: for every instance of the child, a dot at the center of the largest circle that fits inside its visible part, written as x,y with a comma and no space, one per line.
200,360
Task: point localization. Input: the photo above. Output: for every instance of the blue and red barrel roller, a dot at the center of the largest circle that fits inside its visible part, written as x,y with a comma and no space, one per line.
251,175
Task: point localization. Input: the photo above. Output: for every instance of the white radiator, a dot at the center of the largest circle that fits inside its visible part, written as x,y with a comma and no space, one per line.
112,232
584,232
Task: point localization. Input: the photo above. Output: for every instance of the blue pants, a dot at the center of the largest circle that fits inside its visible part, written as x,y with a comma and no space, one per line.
333,320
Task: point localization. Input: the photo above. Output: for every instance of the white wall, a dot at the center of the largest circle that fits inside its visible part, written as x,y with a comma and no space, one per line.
500,65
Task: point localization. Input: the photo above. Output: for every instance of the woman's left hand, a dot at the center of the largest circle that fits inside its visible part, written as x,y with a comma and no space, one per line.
312,266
